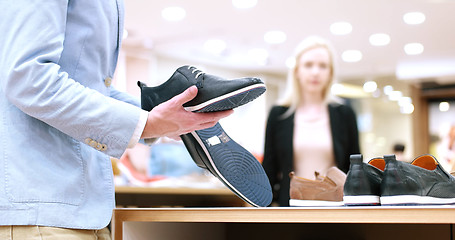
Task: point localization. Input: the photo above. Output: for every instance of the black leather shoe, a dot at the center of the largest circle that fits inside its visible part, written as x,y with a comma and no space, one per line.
212,148
214,93
363,181
233,165
421,182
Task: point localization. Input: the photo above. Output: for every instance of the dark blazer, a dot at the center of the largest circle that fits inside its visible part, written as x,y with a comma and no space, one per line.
278,150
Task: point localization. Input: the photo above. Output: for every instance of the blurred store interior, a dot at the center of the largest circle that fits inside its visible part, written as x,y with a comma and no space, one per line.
395,59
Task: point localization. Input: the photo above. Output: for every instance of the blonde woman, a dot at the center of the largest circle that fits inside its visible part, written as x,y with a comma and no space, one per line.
308,130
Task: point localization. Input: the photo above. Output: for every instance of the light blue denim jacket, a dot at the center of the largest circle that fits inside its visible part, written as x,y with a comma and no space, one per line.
60,119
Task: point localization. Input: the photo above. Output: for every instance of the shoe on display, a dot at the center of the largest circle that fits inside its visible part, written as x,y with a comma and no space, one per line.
233,165
214,93
363,181
322,191
421,182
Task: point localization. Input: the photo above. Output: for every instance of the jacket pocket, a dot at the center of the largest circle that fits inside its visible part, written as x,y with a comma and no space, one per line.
41,164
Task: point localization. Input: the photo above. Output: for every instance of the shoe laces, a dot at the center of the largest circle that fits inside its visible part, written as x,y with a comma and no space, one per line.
198,73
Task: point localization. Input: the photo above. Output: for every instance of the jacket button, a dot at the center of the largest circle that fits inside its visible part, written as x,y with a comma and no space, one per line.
98,146
103,147
93,143
108,81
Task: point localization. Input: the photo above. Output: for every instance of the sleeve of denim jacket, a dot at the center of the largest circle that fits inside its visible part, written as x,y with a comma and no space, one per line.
33,81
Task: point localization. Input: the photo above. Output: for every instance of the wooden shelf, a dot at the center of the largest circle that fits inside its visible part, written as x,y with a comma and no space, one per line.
349,215
435,215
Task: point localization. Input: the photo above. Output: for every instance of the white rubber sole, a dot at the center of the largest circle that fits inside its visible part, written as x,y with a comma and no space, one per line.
220,98
314,203
415,200
361,200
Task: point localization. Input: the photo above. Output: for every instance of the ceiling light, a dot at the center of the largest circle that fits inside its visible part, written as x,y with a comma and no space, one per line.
341,28
388,89
173,14
414,18
444,106
413,48
274,37
407,109
431,68
370,86
351,56
243,4
379,39
395,95
403,101
215,46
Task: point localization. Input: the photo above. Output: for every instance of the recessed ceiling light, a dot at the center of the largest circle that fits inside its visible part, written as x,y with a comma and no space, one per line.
388,89
379,39
341,28
173,14
414,18
413,48
395,95
243,4
351,56
370,86
215,46
274,37
444,106
407,109
403,101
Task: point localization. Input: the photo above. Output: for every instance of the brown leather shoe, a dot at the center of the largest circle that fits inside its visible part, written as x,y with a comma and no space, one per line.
323,191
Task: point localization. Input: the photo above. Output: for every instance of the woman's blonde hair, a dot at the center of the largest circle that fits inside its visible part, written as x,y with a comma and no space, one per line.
293,93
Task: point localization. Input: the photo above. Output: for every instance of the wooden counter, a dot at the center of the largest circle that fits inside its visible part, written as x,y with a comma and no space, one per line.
296,223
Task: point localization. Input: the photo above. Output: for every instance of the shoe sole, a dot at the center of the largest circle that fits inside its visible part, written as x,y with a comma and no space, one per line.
314,203
361,200
234,166
231,100
415,200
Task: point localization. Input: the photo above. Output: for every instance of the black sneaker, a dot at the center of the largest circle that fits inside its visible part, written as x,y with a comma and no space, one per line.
212,148
214,93
234,166
363,181
421,182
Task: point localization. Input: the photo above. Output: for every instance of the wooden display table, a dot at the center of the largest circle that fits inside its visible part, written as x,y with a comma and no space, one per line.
285,223
175,196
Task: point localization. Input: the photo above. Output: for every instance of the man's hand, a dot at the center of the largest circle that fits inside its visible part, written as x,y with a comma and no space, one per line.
171,119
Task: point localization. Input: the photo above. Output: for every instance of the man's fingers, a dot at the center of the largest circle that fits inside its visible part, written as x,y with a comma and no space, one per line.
186,96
